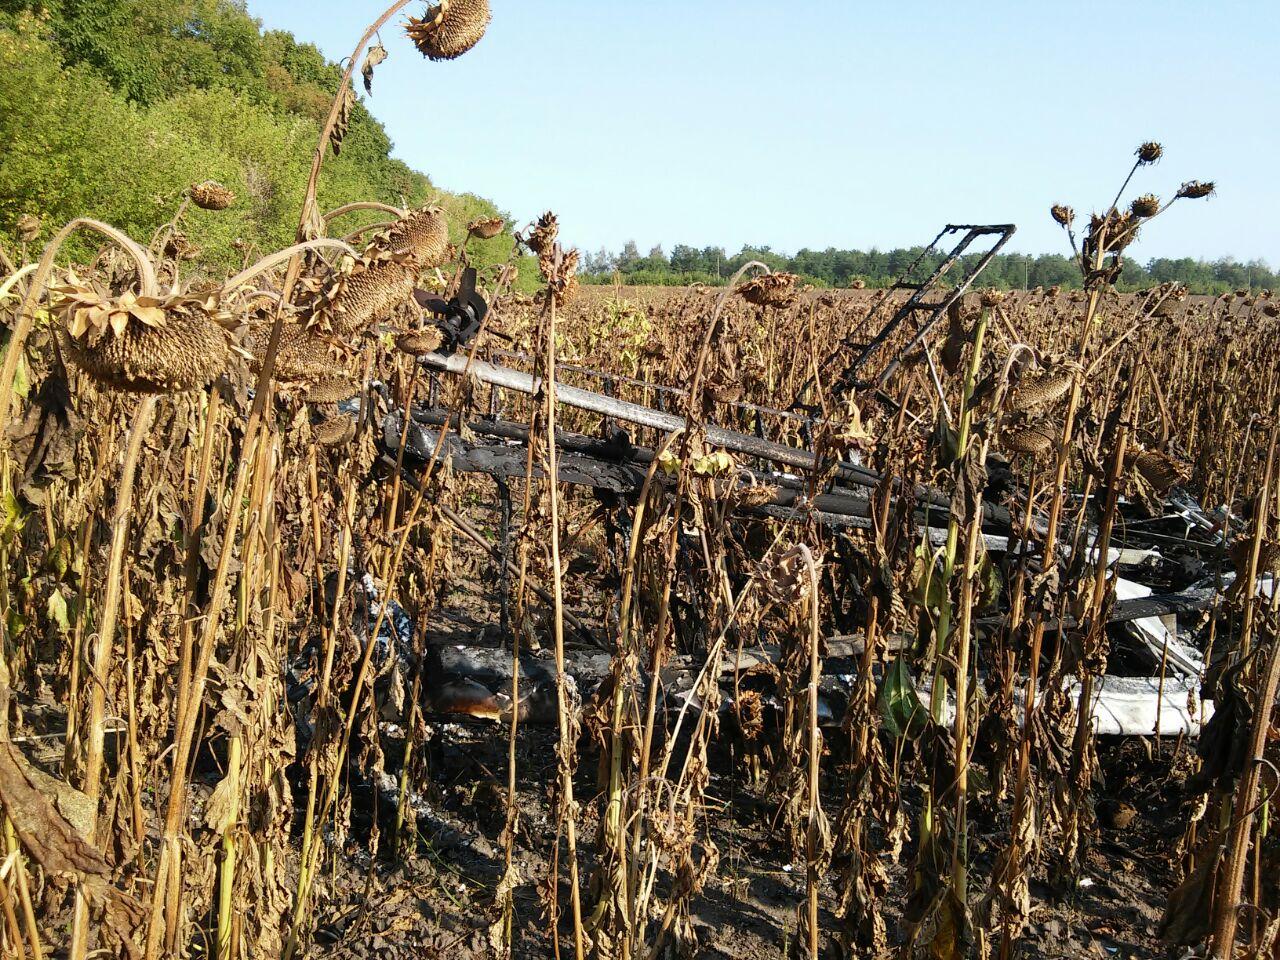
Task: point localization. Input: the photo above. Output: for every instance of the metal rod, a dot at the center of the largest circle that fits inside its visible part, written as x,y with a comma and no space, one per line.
671,423
659,388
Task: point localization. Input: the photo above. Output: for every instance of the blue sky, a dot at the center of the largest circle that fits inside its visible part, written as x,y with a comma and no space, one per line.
823,123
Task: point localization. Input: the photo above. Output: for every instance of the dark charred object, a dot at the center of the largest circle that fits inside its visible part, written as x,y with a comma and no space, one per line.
461,316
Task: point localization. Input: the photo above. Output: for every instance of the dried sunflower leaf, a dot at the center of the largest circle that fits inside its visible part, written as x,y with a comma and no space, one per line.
61,849
151,316
344,120
80,322
377,53
56,609
220,809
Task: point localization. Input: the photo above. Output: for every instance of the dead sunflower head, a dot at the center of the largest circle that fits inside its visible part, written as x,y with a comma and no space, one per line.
1111,234
362,294
543,235
449,29
486,228
770,290
333,390
1160,470
28,228
420,238
1147,205
1196,189
336,432
211,195
1033,393
142,344
177,246
301,355
561,276
420,341
1149,152
1034,440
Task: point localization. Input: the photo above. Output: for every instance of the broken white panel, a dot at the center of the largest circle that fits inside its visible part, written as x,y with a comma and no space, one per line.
1124,706
1125,556
1141,706
1158,635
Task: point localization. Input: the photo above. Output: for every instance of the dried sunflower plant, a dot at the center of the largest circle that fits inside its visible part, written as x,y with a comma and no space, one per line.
239,530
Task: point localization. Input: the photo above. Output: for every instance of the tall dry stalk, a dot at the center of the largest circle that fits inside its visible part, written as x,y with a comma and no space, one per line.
102,656
1227,902
568,809
814,840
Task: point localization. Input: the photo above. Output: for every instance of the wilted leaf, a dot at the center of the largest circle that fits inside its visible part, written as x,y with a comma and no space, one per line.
957,337
132,608
21,385
1189,912
668,463
377,53
10,514
16,623
989,584
344,120
57,611
946,441
59,847
220,810
928,589
44,440
713,464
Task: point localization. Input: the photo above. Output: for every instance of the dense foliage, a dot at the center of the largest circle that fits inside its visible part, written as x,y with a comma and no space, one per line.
879,268
111,108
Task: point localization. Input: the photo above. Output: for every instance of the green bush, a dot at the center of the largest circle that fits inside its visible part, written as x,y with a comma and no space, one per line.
112,108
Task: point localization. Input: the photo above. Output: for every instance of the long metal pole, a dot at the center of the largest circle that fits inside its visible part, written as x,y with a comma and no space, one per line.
671,423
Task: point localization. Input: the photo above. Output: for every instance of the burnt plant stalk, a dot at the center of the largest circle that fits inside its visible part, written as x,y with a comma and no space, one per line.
813,838
388,574
657,642
1097,626
1017,860
613,848
567,747
937,696
969,574
505,899
102,655
1227,902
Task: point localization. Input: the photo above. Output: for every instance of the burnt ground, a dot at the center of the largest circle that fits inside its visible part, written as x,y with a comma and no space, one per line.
436,898
440,895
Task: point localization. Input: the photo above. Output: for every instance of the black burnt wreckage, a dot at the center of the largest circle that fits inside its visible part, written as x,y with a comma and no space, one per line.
1168,569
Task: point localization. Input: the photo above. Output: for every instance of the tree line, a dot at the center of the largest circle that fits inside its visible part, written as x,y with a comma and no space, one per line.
880,268
111,108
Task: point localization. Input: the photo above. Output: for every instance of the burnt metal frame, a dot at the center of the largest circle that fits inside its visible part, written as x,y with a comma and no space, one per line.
847,379
623,410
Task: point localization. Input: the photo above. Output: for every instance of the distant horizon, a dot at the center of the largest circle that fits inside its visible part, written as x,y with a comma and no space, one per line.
689,123
882,248
836,267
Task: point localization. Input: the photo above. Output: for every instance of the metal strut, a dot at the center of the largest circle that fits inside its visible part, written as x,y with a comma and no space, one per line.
918,302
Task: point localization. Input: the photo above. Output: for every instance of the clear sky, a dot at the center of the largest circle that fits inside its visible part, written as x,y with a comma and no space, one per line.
841,123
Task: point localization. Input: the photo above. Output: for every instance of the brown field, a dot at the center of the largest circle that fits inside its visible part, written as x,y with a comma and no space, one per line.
767,664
